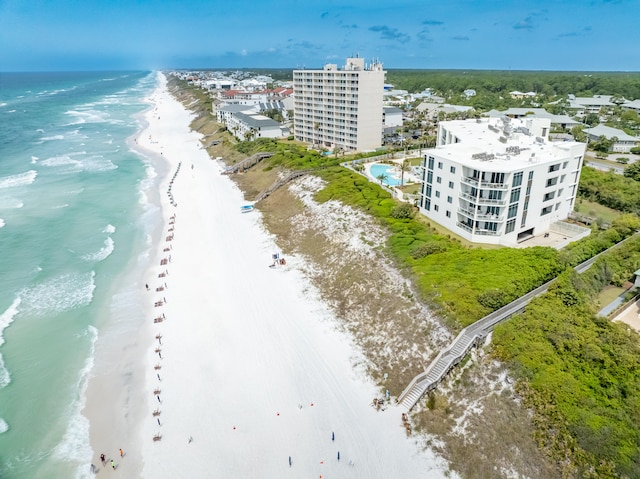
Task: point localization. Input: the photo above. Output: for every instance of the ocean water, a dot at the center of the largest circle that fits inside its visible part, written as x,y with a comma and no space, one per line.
76,215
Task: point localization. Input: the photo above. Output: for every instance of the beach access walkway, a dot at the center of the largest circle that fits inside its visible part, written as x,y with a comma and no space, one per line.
247,163
474,335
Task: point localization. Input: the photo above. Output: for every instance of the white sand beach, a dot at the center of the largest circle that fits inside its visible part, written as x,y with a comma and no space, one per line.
254,369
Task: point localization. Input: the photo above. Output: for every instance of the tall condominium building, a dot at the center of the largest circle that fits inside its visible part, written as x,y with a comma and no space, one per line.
340,108
499,180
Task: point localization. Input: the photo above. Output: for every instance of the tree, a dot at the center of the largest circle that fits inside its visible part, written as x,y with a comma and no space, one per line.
404,166
382,177
633,171
578,134
592,119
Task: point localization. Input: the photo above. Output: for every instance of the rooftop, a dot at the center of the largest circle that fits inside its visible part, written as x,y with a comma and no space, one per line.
509,144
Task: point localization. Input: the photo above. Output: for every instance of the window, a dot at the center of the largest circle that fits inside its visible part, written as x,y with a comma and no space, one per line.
531,175
430,177
511,226
449,199
452,169
515,196
513,211
427,204
451,184
437,194
448,214
562,178
546,210
517,179
431,159
555,167
524,219
435,208
560,192
564,165
549,196
438,179
552,181
428,191
557,206
439,165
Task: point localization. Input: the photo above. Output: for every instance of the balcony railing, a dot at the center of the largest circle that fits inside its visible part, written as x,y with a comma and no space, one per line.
484,201
484,184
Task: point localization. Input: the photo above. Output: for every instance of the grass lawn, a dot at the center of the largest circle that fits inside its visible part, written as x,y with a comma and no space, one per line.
608,294
596,210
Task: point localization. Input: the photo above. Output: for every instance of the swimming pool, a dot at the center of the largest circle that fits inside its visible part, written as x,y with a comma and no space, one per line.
391,179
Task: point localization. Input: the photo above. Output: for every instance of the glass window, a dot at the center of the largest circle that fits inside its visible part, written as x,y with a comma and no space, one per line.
546,210
452,169
437,194
517,179
451,184
448,214
435,208
427,204
438,180
552,181
511,226
439,165
513,211
531,175
515,196
428,191
431,159
449,199
555,167
430,177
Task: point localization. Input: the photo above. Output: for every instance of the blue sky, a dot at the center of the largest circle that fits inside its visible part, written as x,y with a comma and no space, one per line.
46,35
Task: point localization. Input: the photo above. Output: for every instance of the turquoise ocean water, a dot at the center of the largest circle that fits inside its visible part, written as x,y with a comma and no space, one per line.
75,221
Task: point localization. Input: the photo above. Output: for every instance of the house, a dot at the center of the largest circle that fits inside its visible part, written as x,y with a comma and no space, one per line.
582,106
623,142
391,116
247,126
469,92
499,180
518,95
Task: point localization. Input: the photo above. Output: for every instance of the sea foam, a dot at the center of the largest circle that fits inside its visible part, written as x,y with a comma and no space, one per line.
103,253
75,444
21,179
58,294
6,319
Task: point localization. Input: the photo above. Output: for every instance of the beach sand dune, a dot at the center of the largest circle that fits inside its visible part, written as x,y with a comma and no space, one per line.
254,369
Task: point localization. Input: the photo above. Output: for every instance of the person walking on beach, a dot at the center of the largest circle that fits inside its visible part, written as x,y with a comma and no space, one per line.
333,437
338,455
290,461
121,453
103,459
113,464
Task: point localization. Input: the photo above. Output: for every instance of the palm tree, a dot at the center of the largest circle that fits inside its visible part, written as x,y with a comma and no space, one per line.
404,166
382,177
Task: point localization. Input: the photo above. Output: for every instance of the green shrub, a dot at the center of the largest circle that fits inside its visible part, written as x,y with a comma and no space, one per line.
403,211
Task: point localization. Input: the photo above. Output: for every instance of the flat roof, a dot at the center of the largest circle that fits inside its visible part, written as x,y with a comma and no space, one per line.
508,144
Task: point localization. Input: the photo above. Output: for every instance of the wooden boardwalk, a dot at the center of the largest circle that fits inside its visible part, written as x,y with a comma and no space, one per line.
474,335
247,163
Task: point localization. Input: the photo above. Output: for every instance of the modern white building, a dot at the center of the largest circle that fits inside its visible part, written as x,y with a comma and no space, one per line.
340,108
499,180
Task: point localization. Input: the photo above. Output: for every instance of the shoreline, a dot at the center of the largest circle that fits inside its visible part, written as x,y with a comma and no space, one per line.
253,367
123,342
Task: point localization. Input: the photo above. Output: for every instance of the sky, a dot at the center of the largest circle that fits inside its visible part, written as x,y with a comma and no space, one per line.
70,35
